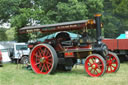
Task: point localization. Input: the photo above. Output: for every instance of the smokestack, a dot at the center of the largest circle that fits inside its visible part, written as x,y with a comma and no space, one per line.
98,27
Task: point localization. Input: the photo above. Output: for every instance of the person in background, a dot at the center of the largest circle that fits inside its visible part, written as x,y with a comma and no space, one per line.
1,59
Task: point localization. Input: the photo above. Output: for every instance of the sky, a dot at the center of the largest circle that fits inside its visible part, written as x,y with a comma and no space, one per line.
5,25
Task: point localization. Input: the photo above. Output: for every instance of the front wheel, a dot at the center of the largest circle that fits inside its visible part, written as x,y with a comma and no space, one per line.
113,63
95,65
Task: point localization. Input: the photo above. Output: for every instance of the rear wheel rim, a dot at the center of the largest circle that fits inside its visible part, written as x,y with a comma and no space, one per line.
94,66
112,63
42,60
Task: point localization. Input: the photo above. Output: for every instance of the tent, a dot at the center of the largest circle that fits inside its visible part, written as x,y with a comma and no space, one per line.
1,46
72,35
122,36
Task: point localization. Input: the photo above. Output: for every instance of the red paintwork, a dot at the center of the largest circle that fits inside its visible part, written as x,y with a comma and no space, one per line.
123,44
69,54
111,43
116,44
0,56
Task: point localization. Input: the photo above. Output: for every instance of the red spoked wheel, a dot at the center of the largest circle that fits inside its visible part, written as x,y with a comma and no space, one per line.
95,65
113,63
43,59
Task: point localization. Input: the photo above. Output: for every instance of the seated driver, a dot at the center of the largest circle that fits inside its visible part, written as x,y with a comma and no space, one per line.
85,38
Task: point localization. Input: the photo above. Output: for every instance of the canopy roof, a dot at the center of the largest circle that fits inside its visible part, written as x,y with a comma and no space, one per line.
72,35
65,26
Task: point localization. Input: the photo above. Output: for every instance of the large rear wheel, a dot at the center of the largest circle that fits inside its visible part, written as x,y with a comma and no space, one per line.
95,65
43,59
113,63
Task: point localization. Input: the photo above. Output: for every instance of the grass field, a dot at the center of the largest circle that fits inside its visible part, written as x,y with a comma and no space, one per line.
11,74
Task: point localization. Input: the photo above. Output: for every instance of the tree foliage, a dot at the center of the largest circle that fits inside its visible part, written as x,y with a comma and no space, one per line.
115,17
3,36
22,13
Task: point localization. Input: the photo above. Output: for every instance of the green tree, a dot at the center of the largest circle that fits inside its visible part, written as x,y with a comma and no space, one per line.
3,36
94,6
22,13
115,17
10,34
121,12
111,22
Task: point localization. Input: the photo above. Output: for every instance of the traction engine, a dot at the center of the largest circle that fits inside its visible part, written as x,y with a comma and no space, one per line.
61,52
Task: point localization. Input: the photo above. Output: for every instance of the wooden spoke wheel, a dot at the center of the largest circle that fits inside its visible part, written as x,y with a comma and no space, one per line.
113,63
95,65
43,59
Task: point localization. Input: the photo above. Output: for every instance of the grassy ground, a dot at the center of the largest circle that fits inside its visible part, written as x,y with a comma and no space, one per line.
10,74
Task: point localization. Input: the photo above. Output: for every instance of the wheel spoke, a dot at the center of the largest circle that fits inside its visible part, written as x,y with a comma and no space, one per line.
49,56
40,65
39,51
100,66
94,71
47,52
49,59
97,71
45,68
113,66
36,54
89,62
37,63
37,59
113,59
44,51
42,68
92,60
110,68
48,63
114,63
48,67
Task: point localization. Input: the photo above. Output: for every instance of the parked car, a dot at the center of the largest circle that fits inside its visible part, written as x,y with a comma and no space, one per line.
19,53
5,55
0,58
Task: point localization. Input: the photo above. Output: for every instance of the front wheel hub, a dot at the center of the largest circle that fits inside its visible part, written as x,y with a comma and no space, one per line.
94,66
42,60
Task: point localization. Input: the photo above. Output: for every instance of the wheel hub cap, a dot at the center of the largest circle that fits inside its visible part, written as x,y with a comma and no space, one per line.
42,60
94,66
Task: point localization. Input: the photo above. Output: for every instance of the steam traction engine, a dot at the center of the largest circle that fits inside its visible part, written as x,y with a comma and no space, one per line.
61,52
